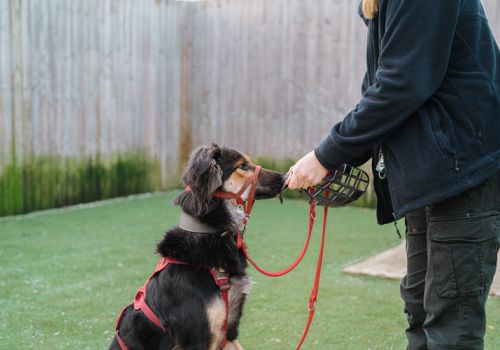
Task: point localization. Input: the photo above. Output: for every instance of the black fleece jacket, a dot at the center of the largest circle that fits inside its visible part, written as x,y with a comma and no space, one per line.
431,104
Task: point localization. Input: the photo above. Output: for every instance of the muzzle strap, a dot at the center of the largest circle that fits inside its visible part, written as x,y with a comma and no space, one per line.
252,183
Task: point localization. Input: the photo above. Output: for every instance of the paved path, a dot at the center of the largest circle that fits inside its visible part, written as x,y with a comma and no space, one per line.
392,264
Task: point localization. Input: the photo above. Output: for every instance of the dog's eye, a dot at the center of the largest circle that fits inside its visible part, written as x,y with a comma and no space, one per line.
243,166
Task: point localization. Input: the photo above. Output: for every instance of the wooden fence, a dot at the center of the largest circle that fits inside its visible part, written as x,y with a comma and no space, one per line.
94,90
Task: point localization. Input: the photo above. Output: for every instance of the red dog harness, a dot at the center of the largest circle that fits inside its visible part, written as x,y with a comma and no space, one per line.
222,282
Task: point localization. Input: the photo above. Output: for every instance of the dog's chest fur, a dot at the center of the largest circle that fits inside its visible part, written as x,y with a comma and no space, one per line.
216,310
237,215
240,288
220,252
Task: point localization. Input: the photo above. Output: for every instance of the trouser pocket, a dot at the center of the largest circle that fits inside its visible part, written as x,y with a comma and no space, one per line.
463,254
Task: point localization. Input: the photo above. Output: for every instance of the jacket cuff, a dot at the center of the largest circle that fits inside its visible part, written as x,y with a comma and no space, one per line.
330,155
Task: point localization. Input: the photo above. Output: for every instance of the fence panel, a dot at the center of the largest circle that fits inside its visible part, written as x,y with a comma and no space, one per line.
94,91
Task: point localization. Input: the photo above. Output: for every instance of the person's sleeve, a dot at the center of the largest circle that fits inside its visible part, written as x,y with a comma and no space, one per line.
355,161
413,60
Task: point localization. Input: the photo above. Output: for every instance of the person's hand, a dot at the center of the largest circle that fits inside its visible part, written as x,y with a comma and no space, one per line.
307,172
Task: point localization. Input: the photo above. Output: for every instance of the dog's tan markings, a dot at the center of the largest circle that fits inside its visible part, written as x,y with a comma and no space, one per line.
239,177
216,312
234,345
239,288
247,159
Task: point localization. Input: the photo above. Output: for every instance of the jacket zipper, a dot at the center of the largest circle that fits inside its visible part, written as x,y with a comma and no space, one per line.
380,168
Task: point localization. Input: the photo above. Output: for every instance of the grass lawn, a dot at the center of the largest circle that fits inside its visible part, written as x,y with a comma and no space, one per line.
65,275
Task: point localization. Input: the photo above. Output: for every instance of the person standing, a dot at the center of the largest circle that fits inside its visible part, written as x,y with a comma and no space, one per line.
429,118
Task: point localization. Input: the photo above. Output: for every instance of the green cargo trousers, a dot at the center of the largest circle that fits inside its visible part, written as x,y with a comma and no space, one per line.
452,252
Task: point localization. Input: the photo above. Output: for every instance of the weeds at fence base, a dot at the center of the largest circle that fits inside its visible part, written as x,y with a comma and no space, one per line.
42,182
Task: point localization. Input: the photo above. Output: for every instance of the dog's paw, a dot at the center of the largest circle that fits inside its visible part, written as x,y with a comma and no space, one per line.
233,345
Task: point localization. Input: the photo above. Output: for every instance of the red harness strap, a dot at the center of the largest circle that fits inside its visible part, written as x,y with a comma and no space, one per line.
140,299
224,286
252,183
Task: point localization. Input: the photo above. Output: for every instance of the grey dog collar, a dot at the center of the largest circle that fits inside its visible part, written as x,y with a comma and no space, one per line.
192,224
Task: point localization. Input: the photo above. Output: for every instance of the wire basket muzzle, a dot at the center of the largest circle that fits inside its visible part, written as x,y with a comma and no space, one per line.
340,187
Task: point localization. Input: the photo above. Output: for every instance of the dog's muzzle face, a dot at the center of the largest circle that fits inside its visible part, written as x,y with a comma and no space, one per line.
212,169
238,169
270,184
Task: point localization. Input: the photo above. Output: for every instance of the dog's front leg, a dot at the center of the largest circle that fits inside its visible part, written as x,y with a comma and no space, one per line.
233,345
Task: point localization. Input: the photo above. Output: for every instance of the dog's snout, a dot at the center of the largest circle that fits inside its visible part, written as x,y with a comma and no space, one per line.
270,184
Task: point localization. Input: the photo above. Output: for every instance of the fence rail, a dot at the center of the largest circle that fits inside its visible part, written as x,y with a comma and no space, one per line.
88,85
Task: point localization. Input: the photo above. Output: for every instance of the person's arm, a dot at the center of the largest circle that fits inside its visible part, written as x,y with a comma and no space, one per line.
414,56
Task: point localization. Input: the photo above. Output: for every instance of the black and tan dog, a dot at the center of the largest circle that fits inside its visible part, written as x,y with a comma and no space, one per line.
185,296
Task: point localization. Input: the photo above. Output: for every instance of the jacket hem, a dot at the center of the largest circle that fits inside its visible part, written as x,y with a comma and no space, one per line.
447,192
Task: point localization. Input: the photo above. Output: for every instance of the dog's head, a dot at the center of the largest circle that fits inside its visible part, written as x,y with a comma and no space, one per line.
213,168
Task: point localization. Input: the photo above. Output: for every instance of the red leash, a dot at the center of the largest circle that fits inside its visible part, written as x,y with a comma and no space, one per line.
312,218
314,292
247,207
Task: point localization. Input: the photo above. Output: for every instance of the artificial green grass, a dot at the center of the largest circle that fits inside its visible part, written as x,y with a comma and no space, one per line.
66,274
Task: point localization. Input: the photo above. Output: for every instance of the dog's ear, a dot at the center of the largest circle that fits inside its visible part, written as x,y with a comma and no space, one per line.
202,177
